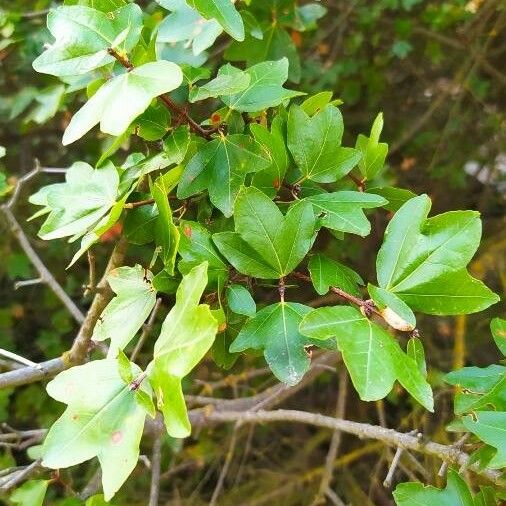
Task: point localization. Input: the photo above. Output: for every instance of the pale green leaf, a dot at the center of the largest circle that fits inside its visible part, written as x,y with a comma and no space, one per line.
240,301
326,272
498,329
224,12
102,420
343,210
125,314
265,88
120,100
83,35
373,152
31,493
187,334
456,493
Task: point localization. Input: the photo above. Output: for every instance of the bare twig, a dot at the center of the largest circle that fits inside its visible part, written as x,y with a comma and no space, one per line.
156,462
335,442
19,476
226,465
148,327
43,271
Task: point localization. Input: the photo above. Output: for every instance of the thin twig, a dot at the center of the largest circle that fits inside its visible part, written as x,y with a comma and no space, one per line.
335,442
148,327
43,271
156,462
20,476
226,465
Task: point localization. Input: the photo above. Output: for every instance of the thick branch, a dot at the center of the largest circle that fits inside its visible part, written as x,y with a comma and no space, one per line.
81,344
361,430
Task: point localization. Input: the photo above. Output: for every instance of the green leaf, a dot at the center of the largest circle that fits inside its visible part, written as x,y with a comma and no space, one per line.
83,35
316,102
220,166
139,225
153,123
315,144
176,145
415,350
185,24
166,233
187,334
490,427
456,493
498,329
269,180
396,197
372,356
222,11
31,493
125,314
452,293
195,247
78,204
265,243
394,311
343,210
265,88
275,330
276,43
120,100
47,103
423,260
326,272
229,81
102,420
240,300
373,152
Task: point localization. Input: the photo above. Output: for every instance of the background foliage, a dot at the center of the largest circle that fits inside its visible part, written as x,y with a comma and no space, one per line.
434,69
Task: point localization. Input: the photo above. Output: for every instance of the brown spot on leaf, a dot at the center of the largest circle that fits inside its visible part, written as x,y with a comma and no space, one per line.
116,437
187,231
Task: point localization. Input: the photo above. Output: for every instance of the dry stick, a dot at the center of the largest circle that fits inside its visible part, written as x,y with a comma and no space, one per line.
20,476
387,482
81,344
361,430
156,462
167,101
226,465
43,271
335,442
148,327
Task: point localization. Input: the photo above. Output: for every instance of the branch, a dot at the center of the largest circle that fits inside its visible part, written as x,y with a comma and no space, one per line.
80,347
390,437
44,273
156,461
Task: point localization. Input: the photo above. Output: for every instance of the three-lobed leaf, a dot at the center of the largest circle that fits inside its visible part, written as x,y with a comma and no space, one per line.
275,330
315,144
84,34
265,243
221,166
424,261
124,97
102,419
124,315
372,356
